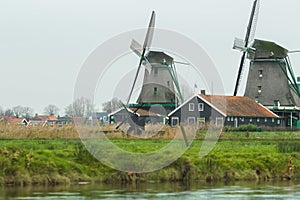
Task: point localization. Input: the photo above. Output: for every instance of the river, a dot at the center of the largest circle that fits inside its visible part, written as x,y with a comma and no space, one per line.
197,190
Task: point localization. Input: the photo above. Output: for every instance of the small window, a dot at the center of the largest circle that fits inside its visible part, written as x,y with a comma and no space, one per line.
278,121
200,106
242,119
260,73
250,120
259,89
191,120
266,119
232,119
228,119
191,107
155,91
219,121
273,120
276,103
174,121
258,119
201,120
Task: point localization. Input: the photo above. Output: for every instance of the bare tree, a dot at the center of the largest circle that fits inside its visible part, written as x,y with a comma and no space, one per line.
22,111
69,110
9,112
27,112
112,105
51,110
18,111
81,107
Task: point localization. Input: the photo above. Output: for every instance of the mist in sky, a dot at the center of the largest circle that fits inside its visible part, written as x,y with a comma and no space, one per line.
43,44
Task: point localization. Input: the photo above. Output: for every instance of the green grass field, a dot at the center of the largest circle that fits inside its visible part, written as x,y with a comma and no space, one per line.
62,159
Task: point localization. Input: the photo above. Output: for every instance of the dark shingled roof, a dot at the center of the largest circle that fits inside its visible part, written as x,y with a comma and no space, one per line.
265,50
239,106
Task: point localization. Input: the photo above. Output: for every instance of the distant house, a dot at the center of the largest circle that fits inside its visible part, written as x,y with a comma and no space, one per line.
64,120
42,120
223,110
138,115
102,117
11,120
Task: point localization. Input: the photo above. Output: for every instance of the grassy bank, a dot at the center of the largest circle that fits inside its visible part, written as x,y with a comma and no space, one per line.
60,158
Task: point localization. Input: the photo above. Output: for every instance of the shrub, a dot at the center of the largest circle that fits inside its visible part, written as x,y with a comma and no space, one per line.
242,128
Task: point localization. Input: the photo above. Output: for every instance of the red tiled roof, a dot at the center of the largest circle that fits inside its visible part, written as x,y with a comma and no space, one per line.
44,118
238,106
143,112
12,119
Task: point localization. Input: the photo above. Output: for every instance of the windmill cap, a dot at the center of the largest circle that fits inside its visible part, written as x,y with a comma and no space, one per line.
266,50
159,57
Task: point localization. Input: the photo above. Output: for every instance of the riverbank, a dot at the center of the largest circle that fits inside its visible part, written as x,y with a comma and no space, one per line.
64,160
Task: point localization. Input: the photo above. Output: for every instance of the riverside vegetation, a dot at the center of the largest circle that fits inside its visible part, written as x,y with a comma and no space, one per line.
55,155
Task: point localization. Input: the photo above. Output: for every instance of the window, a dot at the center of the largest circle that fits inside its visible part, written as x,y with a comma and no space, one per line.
219,121
228,119
168,83
259,89
260,73
276,103
200,106
155,91
266,119
278,121
201,120
242,119
191,107
273,120
250,120
236,122
258,119
191,120
174,121
232,119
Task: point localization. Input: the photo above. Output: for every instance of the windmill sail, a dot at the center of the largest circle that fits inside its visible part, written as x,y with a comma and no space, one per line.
250,33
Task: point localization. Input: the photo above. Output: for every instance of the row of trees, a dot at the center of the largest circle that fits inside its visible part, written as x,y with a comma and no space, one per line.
80,107
27,112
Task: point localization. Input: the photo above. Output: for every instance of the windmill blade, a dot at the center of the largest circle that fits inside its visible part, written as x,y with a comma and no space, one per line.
238,80
147,43
239,44
136,47
254,21
252,25
247,40
149,35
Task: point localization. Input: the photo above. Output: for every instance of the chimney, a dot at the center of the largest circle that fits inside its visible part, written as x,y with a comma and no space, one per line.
203,92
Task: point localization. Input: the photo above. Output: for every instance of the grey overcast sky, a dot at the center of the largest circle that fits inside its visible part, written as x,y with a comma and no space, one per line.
44,43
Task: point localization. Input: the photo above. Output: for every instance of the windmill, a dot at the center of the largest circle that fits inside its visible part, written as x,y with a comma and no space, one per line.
271,80
160,83
160,93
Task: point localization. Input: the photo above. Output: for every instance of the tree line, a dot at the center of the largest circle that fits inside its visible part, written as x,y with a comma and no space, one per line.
80,107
